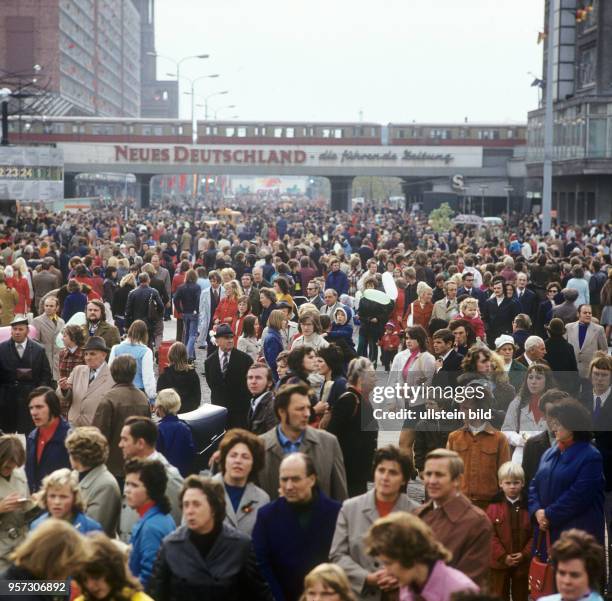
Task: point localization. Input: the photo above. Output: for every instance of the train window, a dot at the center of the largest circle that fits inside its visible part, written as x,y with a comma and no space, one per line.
290,132
179,130
325,132
241,132
338,133
211,131
230,131
278,132
256,131
510,133
158,130
146,130
463,133
400,133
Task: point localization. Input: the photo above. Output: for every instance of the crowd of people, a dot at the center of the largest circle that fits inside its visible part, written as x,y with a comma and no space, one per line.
292,320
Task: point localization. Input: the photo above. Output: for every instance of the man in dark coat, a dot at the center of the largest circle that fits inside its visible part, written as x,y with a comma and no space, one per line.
448,360
527,299
499,313
468,288
137,306
226,375
24,366
293,534
260,416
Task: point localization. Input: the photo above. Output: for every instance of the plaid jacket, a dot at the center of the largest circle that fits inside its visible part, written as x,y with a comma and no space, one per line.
67,362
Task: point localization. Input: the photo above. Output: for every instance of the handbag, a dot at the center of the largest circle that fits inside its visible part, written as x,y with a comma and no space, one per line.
541,573
154,311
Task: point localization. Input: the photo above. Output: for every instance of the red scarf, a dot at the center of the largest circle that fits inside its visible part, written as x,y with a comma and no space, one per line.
534,407
563,445
408,363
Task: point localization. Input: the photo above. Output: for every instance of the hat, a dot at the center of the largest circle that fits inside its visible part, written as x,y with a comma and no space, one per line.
96,343
556,327
223,331
20,320
504,339
390,324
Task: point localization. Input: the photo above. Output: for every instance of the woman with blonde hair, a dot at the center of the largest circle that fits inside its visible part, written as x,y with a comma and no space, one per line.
53,552
136,345
104,574
22,282
227,275
227,309
273,342
61,497
182,377
327,581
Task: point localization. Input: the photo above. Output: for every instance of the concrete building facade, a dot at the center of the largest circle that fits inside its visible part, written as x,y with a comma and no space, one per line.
88,50
582,96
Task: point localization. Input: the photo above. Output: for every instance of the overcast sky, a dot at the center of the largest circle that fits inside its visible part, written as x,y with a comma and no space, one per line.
327,60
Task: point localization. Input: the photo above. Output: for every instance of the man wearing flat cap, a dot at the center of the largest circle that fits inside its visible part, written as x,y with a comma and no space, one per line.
24,368
226,375
86,386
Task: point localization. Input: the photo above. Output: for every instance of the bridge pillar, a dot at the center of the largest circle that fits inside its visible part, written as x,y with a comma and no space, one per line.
341,192
414,190
143,189
70,185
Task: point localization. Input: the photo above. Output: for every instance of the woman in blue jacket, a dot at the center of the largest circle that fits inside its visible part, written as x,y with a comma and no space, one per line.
145,491
273,342
61,497
568,488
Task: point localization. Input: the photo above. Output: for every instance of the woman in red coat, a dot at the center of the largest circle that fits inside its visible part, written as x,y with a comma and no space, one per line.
19,281
228,307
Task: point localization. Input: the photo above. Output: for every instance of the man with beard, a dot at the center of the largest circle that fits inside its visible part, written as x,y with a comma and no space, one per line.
96,324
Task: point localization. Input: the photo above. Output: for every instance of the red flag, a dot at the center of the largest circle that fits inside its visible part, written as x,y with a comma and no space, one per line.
182,182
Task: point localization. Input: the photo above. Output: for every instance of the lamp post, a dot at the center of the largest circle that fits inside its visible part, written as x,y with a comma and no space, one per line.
509,190
206,98
194,123
222,108
548,124
178,64
483,189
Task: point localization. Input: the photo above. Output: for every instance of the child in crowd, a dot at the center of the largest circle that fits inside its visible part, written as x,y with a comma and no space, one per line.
389,344
512,536
340,329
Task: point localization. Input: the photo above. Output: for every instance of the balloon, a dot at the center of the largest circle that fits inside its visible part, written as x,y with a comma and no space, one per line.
5,332
78,319
377,296
389,285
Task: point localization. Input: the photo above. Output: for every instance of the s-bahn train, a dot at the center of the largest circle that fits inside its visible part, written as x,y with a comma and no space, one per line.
43,129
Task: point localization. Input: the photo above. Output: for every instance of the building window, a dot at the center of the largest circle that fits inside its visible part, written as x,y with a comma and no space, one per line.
586,66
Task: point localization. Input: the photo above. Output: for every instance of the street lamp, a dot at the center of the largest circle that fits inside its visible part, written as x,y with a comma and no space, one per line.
194,123
178,64
483,189
509,190
206,98
548,124
221,108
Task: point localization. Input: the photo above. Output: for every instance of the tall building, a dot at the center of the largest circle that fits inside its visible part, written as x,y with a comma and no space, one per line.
89,51
159,98
582,96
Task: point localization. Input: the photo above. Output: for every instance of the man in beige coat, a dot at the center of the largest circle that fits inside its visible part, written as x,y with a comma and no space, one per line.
49,325
587,338
87,384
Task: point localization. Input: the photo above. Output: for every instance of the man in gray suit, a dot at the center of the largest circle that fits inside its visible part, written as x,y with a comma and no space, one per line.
587,338
567,309
44,281
293,434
